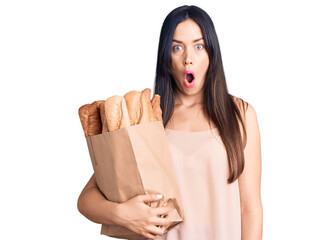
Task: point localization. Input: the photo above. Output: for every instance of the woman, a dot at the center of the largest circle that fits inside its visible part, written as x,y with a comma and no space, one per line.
214,139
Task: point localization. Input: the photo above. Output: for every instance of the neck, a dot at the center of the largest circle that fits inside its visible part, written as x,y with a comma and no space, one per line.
188,100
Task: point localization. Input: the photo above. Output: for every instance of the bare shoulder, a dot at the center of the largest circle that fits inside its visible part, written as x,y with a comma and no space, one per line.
245,107
251,115
249,118
241,104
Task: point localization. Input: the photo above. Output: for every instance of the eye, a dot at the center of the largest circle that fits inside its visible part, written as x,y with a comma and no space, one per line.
177,48
198,46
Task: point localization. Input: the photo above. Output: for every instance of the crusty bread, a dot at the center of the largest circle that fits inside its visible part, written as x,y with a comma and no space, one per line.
133,103
125,121
90,118
95,118
83,116
120,112
155,103
103,118
98,103
147,114
112,108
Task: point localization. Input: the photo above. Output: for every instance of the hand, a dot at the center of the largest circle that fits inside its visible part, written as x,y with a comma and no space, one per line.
142,219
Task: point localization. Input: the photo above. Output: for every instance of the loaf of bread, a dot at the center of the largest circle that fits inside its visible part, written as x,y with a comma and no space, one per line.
125,119
155,103
103,118
90,118
133,103
120,112
113,113
147,114
98,103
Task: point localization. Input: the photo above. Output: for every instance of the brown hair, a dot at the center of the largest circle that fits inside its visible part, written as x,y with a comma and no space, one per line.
224,110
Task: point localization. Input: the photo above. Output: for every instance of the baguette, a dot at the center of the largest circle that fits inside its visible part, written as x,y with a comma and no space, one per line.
119,112
155,103
103,118
133,103
98,103
90,118
112,108
83,116
125,120
147,114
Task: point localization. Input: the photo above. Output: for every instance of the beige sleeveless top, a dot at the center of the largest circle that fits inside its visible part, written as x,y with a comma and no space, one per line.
211,206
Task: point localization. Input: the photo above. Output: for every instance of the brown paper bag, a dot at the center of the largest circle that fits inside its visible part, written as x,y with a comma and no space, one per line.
132,161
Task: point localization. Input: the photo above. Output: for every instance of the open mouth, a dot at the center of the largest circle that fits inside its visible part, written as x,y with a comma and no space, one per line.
189,80
189,77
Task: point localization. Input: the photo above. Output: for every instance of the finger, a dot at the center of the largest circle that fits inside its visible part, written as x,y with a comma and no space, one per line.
155,230
161,211
150,197
160,221
150,236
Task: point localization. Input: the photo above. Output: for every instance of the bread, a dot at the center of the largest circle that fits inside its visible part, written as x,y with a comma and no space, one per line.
133,103
98,103
120,112
103,118
125,121
83,116
90,118
147,114
112,108
95,125
155,103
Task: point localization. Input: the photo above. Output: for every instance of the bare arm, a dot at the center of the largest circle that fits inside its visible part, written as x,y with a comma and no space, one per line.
133,214
250,181
94,206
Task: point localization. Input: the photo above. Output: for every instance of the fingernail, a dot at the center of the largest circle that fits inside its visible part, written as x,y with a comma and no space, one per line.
159,196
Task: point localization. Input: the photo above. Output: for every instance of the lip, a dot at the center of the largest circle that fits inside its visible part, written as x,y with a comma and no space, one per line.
189,72
186,83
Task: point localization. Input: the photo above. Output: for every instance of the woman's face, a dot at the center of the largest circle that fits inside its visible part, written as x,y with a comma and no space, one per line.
189,58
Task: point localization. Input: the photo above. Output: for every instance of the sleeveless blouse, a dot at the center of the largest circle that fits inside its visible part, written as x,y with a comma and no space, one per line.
210,205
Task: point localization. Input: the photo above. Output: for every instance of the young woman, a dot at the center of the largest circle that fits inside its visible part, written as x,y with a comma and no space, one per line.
214,141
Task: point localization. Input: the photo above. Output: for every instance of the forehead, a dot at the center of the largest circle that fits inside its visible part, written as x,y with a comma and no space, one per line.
187,30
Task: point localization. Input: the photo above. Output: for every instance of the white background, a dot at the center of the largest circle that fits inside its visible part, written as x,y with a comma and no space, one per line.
58,55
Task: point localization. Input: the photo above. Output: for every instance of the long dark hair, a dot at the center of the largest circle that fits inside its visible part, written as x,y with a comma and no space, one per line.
220,107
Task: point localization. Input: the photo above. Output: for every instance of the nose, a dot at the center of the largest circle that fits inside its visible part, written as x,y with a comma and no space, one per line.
187,58
187,62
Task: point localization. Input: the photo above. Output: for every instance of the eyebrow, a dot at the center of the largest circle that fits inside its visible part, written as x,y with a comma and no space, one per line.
196,40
